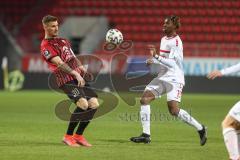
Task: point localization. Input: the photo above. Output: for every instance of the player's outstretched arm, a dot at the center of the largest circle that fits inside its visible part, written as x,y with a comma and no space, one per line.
226,71
214,74
65,68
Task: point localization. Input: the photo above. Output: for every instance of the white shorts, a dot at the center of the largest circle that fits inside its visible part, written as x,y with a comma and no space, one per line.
160,87
235,111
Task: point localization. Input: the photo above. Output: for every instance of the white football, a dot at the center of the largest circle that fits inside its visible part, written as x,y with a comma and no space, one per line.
114,36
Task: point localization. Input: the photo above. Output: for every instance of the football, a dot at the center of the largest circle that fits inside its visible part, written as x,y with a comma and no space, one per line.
114,36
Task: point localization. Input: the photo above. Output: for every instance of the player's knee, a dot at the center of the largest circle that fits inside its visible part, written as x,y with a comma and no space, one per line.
236,125
144,101
173,110
93,103
82,103
147,97
224,125
230,122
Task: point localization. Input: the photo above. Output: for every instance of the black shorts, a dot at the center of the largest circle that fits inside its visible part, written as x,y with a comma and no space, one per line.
75,93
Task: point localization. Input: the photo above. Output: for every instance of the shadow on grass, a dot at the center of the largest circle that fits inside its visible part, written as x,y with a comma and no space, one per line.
22,143
114,140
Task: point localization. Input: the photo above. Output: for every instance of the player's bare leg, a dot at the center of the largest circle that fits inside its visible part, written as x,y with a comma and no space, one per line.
173,107
146,98
230,126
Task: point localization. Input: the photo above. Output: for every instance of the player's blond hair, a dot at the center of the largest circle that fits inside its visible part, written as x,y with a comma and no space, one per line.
49,18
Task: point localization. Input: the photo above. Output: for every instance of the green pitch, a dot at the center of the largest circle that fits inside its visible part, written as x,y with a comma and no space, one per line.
29,130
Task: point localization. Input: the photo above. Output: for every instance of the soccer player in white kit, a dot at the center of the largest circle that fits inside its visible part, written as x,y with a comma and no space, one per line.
171,57
231,123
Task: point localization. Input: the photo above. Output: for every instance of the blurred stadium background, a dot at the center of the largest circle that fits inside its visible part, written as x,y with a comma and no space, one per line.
210,33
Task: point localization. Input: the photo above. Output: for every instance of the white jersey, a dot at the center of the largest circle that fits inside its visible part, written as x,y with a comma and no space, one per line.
231,69
171,48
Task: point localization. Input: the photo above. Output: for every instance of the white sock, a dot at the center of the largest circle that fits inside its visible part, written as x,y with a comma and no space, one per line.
145,118
185,117
231,142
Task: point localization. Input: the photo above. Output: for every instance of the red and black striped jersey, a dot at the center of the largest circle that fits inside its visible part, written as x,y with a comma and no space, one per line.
59,47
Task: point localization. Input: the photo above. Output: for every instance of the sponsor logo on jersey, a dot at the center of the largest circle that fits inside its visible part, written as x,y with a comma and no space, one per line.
47,54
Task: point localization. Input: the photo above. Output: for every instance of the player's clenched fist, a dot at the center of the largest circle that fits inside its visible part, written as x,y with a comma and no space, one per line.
149,62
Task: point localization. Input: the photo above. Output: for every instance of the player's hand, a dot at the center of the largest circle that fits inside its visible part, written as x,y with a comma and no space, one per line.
214,74
82,68
81,81
149,62
152,49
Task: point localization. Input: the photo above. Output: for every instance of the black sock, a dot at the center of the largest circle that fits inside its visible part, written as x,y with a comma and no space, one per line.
86,120
74,120
81,127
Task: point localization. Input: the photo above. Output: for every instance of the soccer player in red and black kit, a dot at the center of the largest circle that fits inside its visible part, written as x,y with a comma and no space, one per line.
71,78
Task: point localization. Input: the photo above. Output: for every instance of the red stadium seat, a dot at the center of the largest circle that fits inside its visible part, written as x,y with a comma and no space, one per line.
211,22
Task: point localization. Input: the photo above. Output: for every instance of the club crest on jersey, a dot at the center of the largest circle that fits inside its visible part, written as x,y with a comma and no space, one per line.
47,54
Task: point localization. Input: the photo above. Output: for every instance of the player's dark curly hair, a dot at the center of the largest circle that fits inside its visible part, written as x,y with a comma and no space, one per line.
175,20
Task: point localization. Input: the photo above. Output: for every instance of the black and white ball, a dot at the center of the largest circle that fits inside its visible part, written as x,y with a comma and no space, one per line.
114,36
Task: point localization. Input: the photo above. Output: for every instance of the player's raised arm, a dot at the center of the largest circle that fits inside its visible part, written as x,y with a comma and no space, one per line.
214,74
64,67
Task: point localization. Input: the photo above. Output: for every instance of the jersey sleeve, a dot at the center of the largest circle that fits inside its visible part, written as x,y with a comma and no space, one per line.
165,61
232,69
170,61
48,52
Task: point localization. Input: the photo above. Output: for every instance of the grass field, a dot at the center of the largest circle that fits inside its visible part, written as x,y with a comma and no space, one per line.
30,130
